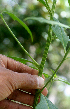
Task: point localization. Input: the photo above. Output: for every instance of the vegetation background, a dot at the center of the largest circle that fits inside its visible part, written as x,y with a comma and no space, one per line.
59,93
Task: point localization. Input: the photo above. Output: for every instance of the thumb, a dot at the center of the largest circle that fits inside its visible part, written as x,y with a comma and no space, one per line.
28,81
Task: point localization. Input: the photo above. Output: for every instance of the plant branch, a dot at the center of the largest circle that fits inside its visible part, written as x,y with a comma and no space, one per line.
64,58
53,7
37,94
49,39
18,41
48,8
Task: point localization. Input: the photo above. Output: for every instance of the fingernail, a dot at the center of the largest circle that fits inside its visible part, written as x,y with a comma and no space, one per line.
40,82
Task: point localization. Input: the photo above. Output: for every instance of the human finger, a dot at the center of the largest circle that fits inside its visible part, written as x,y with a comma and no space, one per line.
13,80
45,91
22,97
6,104
17,66
28,81
32,91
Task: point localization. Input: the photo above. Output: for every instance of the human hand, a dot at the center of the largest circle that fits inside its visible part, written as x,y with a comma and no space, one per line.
14,76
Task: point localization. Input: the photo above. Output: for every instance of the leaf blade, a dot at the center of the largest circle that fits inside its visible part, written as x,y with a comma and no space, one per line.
42,104
50,104
43,20
46,75
62,80
45,103
57,29
22,60
14,17
60,33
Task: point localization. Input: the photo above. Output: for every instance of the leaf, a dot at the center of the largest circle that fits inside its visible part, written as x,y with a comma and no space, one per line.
14,17
42,20
42,104
46,75
36,64
22,60
60,33
69,2
53,72
67,58
62,80
33,67
45,103
50,104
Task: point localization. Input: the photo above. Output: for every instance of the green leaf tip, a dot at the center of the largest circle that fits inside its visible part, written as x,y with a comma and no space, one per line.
46,75
14,17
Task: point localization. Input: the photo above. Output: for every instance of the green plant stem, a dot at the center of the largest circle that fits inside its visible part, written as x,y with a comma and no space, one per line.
49,38
48,8
64,58
53,7
45,51
37,94
19,42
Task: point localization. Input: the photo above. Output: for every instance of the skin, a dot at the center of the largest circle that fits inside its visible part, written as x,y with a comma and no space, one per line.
14,78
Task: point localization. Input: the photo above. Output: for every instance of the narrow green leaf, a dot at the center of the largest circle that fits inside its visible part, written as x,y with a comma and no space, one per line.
14,17
33,67
67,58
60,33
62,80
53,73
65,38
36,64
69,2
42,20
46,75
45,103
22,60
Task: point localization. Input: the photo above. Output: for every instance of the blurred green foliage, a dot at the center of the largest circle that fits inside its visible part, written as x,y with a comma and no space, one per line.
9,47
